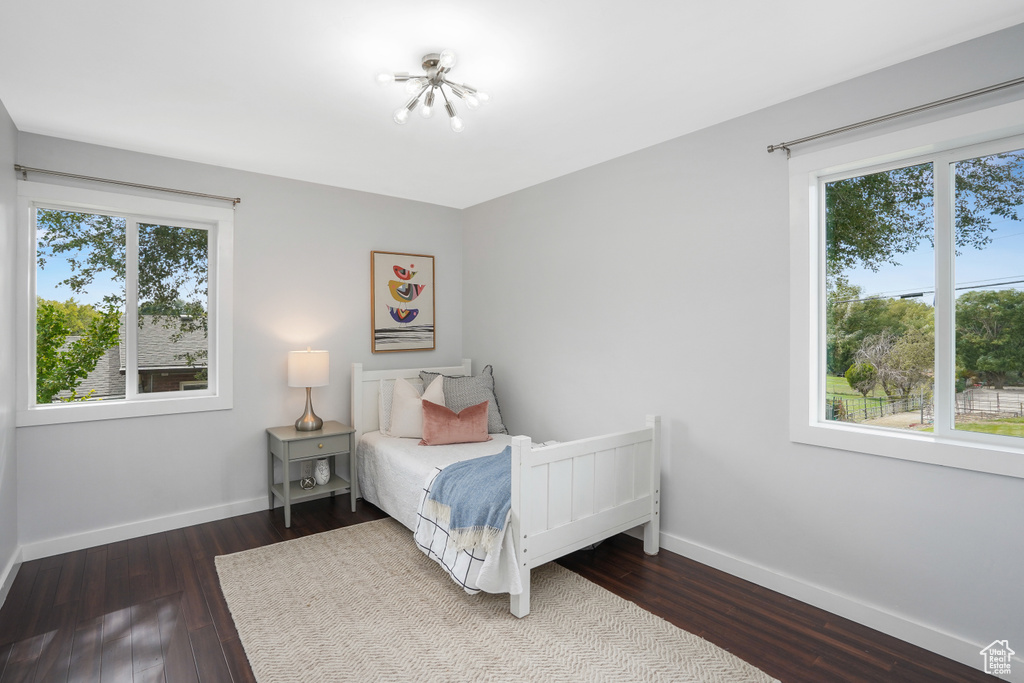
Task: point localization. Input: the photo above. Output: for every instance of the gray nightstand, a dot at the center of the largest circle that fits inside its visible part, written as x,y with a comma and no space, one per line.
290,445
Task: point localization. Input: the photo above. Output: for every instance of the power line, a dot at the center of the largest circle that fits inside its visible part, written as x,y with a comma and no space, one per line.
915,294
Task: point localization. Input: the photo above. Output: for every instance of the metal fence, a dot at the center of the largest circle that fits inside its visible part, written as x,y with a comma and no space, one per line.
989,402
976,402
860,409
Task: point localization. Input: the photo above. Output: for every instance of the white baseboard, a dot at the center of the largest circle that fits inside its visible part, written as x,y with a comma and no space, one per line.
123,532
927,637
9,572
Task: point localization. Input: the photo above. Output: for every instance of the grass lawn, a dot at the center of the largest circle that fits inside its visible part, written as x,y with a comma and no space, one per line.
838,387
1011,426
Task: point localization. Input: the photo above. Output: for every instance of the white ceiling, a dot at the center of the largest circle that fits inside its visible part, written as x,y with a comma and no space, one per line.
287,87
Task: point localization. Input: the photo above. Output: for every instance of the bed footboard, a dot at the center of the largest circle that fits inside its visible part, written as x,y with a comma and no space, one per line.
570,495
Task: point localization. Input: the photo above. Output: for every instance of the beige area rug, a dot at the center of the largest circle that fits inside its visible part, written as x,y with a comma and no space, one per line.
362,603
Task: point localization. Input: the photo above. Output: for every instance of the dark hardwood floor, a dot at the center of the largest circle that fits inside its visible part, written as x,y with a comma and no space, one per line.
150,609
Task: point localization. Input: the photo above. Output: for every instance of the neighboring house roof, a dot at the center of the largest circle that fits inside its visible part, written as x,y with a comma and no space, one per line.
107,379
158,349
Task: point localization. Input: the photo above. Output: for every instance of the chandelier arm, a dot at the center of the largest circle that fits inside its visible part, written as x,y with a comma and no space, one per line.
448,106
414,100
444,94
457,91
460,86
403,77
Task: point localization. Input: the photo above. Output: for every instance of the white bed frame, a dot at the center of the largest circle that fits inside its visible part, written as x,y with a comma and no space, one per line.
565,496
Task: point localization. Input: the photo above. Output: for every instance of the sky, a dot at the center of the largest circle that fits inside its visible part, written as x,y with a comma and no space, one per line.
1001,260
57,269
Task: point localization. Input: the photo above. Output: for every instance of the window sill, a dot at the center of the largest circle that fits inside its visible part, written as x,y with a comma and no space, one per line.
990,457
115,410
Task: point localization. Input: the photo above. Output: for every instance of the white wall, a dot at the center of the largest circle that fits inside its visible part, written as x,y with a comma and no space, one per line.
8,454
301,276
659,283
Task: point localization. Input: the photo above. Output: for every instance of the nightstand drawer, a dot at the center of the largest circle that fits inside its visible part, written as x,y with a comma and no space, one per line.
327,445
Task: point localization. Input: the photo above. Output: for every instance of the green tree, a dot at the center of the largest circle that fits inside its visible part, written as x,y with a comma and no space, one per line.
77,316
873,219
903,362
990,334
862,377
60,366
850,320
912,361
176,307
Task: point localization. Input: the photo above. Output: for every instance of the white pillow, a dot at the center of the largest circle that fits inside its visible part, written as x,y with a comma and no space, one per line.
385,396
407,408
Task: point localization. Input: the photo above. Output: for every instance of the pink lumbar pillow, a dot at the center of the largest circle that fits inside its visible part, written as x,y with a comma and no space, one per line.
444,426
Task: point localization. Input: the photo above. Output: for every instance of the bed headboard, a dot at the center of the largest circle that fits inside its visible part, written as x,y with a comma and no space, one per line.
366,389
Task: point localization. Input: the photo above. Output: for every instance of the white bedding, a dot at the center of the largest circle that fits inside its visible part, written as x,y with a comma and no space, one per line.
392,471
393,475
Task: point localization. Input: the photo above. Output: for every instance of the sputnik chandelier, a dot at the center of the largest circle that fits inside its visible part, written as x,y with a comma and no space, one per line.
425,87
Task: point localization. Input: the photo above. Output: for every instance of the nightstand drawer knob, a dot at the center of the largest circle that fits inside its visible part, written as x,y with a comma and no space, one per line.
319,445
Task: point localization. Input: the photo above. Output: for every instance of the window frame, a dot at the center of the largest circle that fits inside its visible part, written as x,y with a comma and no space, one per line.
220,223
958,137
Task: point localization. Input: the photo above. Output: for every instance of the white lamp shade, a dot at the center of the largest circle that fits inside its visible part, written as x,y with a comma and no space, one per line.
308,368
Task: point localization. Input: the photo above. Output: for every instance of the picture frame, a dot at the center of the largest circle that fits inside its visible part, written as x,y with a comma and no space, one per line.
401,302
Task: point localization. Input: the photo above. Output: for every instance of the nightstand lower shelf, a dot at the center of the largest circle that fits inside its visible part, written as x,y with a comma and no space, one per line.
297,494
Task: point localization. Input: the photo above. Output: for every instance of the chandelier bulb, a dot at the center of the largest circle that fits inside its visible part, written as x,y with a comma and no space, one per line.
457,124
446,60
482,96
427,110
401,115
385,77
413,85
471,101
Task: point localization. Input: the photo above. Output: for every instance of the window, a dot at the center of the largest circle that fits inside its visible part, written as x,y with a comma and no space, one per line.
908,295
127,308
879,284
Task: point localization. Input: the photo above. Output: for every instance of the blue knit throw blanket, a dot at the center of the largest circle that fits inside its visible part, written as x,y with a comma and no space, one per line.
473,498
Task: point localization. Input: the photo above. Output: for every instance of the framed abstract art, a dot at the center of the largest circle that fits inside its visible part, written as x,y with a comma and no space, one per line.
401,301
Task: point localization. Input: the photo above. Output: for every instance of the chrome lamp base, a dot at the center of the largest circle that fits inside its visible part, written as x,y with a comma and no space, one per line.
309,422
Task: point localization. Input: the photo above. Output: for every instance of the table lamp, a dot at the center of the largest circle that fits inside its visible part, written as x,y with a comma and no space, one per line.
308,369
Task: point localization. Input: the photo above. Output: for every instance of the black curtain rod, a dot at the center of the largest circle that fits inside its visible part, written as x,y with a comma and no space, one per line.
896,115
25,170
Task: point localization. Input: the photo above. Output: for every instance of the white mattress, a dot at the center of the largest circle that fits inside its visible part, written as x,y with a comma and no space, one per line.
392,478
